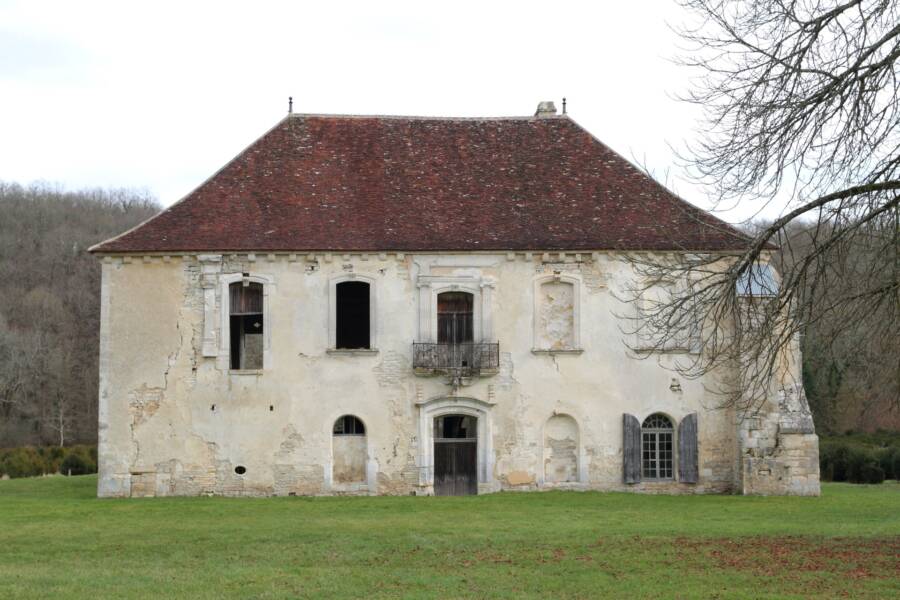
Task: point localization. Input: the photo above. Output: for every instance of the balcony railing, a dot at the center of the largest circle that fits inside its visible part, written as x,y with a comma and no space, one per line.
465,359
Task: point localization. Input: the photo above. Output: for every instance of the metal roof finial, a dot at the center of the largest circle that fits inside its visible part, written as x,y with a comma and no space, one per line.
564,105
290,104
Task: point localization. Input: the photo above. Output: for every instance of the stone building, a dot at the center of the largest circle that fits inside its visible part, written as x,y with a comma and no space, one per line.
404,305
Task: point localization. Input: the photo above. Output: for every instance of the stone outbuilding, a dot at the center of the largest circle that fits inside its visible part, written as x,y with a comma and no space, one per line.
408,305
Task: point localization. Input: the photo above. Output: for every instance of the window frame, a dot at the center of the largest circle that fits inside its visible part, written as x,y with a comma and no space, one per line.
356,420
430,286
332,314
655,433
225,281
241,355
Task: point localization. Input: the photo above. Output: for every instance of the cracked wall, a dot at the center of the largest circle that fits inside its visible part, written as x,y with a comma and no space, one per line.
175,420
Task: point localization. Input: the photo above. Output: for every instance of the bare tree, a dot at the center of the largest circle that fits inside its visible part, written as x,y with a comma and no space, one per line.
800,102
50,305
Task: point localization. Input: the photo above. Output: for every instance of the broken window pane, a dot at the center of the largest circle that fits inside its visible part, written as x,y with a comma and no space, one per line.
246,325
352,324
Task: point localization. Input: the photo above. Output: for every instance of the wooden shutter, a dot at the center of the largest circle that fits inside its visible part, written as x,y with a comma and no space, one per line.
687,449
631,449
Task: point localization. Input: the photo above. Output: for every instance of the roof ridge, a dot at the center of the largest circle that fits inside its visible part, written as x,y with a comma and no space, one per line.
426,117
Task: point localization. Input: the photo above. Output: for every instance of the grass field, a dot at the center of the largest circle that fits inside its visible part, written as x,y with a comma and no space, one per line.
57,540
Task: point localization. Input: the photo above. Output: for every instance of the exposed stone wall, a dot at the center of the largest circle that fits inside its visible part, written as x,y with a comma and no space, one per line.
561,450
175,420
780,450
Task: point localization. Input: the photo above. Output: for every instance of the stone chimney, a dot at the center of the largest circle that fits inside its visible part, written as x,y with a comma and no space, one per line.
545,109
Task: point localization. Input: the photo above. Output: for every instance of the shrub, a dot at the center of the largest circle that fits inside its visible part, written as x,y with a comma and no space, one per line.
22,462
53,456
74,464
833,461
842,461
871,472
31,462
862,467
80,460
895,465
886,458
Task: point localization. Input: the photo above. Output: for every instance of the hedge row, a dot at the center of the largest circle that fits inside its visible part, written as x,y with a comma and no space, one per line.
29,461
839,461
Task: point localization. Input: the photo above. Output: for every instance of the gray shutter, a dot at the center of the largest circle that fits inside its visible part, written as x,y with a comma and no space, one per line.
631,448
687,449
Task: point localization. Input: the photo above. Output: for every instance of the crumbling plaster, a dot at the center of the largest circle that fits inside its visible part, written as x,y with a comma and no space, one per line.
174,420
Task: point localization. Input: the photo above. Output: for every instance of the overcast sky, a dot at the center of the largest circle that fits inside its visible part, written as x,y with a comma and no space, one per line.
158,95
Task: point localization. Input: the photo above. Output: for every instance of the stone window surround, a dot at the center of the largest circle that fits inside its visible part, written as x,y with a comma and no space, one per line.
575,282
332,314
430,286
456,405
224,353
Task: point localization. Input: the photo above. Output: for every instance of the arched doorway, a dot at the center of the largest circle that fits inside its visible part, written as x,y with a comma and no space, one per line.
348,450
455,455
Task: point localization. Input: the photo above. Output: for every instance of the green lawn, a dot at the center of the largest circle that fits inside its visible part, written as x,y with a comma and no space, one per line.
57,540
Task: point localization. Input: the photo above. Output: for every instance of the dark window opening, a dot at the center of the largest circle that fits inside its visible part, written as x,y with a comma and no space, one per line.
657,455
455,427
240,470
349,425
246,325
352,318
455,322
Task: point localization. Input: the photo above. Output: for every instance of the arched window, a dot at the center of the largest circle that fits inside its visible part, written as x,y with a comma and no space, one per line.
349,425
455,312
657,456
245,320
348,447
352,315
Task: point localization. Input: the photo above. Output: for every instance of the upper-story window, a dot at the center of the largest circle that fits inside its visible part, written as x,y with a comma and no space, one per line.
455,317
245,320
352,315
758,281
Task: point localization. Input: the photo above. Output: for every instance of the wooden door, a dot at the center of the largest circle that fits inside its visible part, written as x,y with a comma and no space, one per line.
455,468
455,456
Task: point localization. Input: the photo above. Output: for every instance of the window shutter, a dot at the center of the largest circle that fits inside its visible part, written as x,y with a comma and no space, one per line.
687,449
631,449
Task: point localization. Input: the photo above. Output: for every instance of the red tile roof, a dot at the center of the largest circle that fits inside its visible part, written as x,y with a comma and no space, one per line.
344,183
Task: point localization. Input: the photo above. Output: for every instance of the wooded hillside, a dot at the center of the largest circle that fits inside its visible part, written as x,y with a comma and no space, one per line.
50,307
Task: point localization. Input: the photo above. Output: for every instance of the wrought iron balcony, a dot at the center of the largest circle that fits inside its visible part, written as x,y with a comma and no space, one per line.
461,359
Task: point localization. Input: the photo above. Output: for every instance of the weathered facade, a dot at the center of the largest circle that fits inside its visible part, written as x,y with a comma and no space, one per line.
293,347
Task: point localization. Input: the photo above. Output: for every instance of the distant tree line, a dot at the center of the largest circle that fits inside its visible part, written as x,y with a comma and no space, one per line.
50,307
